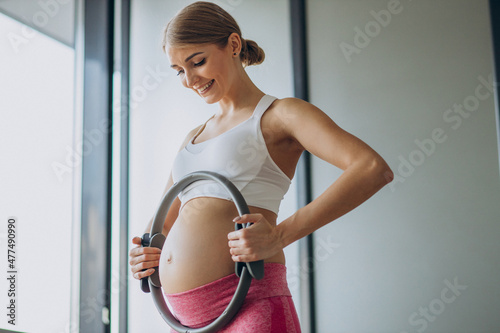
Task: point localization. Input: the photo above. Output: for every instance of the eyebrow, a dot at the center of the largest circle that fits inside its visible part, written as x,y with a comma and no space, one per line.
188,58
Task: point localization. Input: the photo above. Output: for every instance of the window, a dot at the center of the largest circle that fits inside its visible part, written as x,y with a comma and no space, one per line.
39,172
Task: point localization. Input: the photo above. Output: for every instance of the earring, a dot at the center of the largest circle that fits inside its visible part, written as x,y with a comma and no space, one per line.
234,53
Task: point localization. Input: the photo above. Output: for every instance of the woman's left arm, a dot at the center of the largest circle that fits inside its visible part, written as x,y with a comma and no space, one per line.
364,173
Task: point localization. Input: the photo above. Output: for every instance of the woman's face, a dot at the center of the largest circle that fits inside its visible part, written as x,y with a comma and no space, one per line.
203,68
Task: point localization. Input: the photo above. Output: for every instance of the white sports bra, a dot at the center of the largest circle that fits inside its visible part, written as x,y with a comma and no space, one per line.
240,154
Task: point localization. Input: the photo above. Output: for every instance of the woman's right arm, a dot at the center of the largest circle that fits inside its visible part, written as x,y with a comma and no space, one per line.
143,259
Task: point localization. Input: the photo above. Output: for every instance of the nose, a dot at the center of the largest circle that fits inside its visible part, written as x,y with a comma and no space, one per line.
190,78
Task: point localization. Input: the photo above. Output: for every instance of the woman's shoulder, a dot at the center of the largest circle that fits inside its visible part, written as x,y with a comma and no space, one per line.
292,107
291,104
297,116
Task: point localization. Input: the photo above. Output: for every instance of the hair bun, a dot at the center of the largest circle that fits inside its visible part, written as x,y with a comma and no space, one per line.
205,22
252,53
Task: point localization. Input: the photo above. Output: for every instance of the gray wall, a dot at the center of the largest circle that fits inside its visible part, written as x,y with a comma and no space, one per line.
390,265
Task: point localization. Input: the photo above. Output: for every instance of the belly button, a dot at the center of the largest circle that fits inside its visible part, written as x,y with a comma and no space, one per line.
169,259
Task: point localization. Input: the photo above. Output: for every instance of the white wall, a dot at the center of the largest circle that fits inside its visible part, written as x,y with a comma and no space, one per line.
393,259
162,115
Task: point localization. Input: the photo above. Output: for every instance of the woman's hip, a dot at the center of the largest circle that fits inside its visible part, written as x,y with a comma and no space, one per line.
268,303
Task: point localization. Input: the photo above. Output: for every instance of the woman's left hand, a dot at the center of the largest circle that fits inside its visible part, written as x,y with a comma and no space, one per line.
257,242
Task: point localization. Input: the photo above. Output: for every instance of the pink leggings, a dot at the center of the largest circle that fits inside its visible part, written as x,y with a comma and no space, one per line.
268,307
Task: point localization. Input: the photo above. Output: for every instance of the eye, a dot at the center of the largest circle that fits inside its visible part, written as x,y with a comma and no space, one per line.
200,63
197,64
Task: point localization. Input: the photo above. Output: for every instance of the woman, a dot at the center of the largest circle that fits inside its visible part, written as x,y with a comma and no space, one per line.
255,140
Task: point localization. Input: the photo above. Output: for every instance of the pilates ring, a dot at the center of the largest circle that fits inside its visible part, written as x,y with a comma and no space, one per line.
244,270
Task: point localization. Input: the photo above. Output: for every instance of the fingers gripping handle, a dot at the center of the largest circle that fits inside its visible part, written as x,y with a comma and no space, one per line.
255,268
157,241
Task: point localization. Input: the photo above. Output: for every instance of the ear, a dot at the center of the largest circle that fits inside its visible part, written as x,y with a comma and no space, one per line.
234,43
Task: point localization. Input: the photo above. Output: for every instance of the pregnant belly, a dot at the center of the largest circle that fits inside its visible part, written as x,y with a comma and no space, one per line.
196,251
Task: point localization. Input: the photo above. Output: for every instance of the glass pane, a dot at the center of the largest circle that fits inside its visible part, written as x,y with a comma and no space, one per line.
38,177
163,112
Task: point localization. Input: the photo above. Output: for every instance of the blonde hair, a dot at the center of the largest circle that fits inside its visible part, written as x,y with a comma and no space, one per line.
206,23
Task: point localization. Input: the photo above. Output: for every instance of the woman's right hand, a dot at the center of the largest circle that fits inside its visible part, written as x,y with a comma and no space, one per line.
143,258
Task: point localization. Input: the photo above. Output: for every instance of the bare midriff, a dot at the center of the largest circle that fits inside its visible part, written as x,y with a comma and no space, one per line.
196,251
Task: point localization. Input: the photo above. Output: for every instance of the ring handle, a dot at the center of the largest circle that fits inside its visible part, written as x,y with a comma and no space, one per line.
245,271
145,241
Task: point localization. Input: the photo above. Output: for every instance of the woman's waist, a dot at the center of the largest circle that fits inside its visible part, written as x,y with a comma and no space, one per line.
208,213
192,260
196,250
201,230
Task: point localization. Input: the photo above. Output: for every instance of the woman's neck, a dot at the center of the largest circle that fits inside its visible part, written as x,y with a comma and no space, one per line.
242,94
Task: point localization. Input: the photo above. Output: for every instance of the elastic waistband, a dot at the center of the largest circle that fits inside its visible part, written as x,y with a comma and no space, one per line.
209,301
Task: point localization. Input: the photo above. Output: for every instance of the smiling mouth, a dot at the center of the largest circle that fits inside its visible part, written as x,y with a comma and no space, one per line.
205,87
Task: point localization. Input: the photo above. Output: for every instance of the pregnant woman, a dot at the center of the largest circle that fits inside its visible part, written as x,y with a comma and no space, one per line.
255,140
